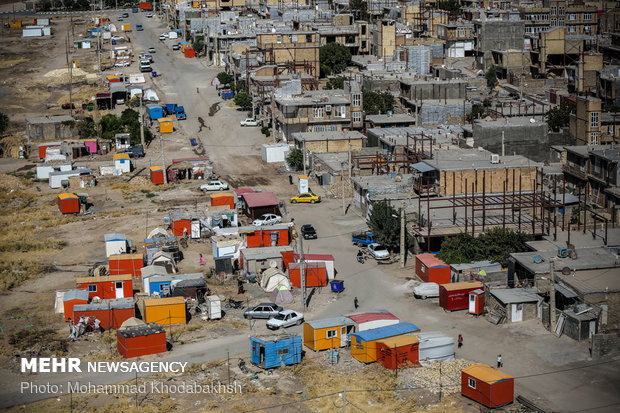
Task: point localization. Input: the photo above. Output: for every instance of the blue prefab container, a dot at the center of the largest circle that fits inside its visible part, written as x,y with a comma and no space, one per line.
154,111
269,354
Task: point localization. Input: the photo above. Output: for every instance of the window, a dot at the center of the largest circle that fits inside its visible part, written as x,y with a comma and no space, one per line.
587,16
282,352
357,100
332,333
610,129
594,119
279,38
572,16
561,11
587,29
471,382
317,112
553,23
363,30
308,38
92,288
572,29
294,38
553,10
342,112
561,22
119,284
318,128
161,287
461,32
357,117
593,138
364,44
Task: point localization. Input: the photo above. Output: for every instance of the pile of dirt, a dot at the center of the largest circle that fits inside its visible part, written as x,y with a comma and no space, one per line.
444,377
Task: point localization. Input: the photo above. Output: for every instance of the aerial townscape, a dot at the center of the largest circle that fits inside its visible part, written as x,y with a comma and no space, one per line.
310,206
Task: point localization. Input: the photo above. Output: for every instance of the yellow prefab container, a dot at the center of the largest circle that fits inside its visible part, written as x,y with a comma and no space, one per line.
126,27
328,333
165,125
164,311
15,24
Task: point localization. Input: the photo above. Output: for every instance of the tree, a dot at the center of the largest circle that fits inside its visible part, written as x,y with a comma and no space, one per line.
199,44
110,126
359,9
491,76
452,6
295,159
377,103
384,222
243,100
87,129
335,83
224,78
4,122
240,86
334,56
559,116
129,116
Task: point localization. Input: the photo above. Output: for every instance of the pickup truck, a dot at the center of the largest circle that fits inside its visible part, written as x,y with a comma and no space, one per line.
363,238
135,151
179,111
139,27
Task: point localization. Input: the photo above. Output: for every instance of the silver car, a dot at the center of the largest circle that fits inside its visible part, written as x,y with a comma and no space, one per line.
263,310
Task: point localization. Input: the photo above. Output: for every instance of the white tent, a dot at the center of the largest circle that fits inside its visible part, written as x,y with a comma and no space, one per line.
282,297
165,260
158,232
150,95
273,279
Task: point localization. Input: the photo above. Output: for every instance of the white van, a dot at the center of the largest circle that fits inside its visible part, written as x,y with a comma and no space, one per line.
425,290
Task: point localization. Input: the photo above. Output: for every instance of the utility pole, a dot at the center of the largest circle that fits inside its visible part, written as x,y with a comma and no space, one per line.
304,155
141,118
342,182
503,146
403,250
302,272
344,400
552,301
163,158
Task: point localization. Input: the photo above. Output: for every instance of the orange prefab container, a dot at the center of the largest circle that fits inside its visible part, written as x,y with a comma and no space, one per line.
68,203
226,198
455,296
181,227
397,352
111,313
190,52
486,385
287,258
476,302
139,341
164,311
15,24
327,333
165,125
431,269
315,273
157,175
112,286
72,298
268,236
126,264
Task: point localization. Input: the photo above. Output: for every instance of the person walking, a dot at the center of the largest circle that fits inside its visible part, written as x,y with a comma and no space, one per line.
499,361
356,303
460,341
202,260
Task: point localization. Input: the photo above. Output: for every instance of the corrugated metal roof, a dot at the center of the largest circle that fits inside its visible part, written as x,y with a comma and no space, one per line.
112,304
330,322
75,295
422,167
260,199
431,260
399,341
376,315
486,373
387,331
565,291
295,265
462,285
515,295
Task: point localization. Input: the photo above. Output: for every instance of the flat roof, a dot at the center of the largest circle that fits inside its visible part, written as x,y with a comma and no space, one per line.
588,258
49,119
330,322
387,119
592,281
486,373
515,295
328,135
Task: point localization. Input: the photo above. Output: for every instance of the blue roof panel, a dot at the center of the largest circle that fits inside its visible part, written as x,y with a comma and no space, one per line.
387,331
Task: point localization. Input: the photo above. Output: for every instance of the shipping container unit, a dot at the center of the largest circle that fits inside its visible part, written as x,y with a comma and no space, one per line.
164,311
154,111
488,386
190,52
398,352
72,298
364,344
328,333
126,264
165,125
157,175
111,286
375,319
434,346
476,302
112,313
326,259
455,296
223,198
431,269
115,243
271,353
266,236
146,6
142,340
122,163
180,224
314,272
68,203
162,284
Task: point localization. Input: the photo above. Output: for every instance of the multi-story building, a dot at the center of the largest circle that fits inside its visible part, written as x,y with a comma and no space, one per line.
496,34
608,85
355,35
459,38
585,123
298,50
574,18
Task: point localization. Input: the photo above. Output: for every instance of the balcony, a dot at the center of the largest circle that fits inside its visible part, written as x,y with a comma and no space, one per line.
575,171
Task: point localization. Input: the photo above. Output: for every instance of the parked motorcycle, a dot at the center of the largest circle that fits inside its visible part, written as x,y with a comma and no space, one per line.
360,257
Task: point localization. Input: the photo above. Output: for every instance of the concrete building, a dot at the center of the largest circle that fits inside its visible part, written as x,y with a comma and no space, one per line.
585,123
496,34
568,15
459,38
608,85
47,128
319,142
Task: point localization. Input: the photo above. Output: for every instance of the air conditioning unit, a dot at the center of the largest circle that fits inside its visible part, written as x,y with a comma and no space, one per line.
563,252
494,158
328,108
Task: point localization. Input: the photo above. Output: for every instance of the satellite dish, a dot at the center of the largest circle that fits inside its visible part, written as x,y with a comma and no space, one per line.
96,299
538,259
273,264
532,120
565,271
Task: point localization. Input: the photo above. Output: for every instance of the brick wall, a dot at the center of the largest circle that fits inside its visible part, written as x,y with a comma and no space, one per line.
605,345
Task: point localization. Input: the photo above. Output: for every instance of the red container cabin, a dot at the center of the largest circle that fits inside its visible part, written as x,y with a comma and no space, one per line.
112,286
141,340
72,298
146,6
397,352
190,52
126,264
267,236
68,203
486,385
111,313
314,272
476,302
223,198
181,224
431,269
455,296
157,175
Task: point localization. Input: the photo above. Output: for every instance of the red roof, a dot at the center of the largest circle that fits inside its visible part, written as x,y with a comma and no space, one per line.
366,317
260,199
316,257
240,191
431,260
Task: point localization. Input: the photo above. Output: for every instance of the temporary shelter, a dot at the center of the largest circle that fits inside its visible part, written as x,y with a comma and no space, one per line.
157,175
282,296
164,311
112,286
518,304
165,125
364,344
455,296
164,284
131,322
189,288
111,313
486,385
376,319
126,264
271,353
154,111
253,260
266,236
396,352
435,347
328,333
122,163
115,243
68,203
71,299
141,340
431,269
181,223
273,279
476,302
326,259
314,272
259,203
166,261
223,198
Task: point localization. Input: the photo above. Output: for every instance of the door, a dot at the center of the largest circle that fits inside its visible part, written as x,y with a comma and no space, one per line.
343,336
592,328
275,235
195,229
262,355
472,303
119,289
539,308
517,312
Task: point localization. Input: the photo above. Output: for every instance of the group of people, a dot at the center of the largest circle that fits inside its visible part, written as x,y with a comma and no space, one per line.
84,325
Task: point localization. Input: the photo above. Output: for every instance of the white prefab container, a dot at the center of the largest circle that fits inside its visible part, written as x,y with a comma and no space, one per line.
43,171
115,244
275,152
47,31
214,307
32,32
173,35
435,347
370,320
56,178
43,21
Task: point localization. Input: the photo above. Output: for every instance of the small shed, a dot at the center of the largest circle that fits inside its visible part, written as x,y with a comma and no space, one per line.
326,259
476,302
115,243
68,203
435,346
431,269
214,307
126,264
259,203
154,111
223,198
122,163
181,223
165,125
72,298
254,260
111,286
112,313
141,340
580,322
364,344
328,333
455,296
396,352
189,288
314,273
518,304
487,385
376,319
269,353
164,311
42,148
165,284
157,175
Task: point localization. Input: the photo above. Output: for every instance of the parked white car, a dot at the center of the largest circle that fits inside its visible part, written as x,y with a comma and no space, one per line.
162,37
149,15
285,319
215,185
267,219
249,122
378,251
425,290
